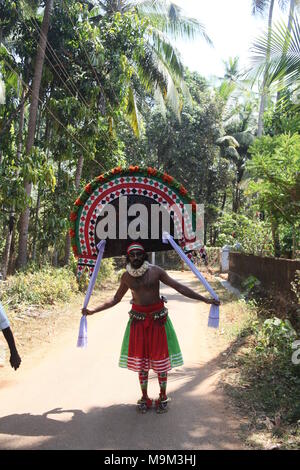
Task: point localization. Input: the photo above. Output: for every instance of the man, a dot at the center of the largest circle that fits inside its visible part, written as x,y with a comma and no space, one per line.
150,341
15,359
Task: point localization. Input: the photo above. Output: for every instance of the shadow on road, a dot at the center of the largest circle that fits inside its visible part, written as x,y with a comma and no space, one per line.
197,419
193,422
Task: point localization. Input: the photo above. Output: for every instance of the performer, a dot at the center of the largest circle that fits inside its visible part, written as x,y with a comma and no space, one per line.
15,359
150,341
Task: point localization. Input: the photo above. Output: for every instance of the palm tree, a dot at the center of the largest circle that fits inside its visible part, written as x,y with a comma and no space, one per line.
24,218
162,69
259,7
282,66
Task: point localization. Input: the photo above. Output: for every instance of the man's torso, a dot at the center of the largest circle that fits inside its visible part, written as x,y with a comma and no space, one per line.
144,289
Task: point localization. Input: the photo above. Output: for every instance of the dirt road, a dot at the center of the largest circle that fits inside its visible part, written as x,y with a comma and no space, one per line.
81,399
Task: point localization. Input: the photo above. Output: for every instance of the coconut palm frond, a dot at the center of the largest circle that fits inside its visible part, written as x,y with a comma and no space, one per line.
259,6
148,71
172,95
132,113
160,102
284,47
170,54
169,18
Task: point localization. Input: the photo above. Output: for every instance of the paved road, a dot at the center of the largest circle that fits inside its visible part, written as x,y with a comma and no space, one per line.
81,399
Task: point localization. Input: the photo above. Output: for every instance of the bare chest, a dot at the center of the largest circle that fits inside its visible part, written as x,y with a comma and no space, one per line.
149,281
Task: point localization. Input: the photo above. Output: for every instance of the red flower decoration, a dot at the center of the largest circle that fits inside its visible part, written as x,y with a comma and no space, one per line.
88,189
116,170
79,202
182,190
134,169
75,250
167,178
151,171
73,216
71,233
100,178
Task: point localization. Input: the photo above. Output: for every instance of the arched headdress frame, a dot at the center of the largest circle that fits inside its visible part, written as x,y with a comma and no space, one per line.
145,182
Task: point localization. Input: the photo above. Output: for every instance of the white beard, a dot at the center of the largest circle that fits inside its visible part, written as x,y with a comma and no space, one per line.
137,272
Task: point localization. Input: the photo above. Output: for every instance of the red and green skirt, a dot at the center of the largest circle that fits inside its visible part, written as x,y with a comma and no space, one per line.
150,341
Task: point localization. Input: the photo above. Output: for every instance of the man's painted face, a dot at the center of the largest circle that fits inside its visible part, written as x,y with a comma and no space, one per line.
136,258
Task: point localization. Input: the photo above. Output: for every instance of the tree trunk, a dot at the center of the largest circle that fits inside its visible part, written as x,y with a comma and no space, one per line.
276,241
77,184
264,85
223,202
35,231
11,260
21,126
55,257
210,236
6,253
294,243
9,236
24,219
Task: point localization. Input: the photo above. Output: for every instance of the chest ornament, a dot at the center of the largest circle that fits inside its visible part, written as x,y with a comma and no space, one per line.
137,272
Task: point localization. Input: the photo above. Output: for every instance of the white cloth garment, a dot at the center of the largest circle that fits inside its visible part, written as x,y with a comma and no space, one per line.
4,323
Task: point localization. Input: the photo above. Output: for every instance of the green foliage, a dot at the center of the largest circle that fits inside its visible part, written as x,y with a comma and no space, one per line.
282,118
253,234
120,274
275,336
274,169
185,149
106,274
39,287
250,284
267,381
296,286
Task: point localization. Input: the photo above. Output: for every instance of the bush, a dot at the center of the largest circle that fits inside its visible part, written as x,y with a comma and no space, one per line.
213,255
43,287
275,337
296,285
106,273
253,234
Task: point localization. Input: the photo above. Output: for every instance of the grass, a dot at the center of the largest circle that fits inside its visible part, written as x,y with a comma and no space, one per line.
260,378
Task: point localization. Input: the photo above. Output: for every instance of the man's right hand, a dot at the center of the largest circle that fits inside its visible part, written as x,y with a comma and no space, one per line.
213,301
86,311
15,360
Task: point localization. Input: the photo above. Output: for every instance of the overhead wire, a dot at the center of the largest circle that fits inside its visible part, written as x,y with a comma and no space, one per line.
87,56
62,68
52,114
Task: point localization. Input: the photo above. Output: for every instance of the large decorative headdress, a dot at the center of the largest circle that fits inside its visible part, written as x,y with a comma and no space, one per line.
141,185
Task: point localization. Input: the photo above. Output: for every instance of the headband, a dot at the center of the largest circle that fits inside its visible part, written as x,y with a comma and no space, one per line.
135,246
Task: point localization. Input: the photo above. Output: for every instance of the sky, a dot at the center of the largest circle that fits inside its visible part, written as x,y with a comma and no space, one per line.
232,28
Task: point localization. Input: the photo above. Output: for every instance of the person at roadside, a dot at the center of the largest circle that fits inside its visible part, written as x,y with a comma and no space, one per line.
15,359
